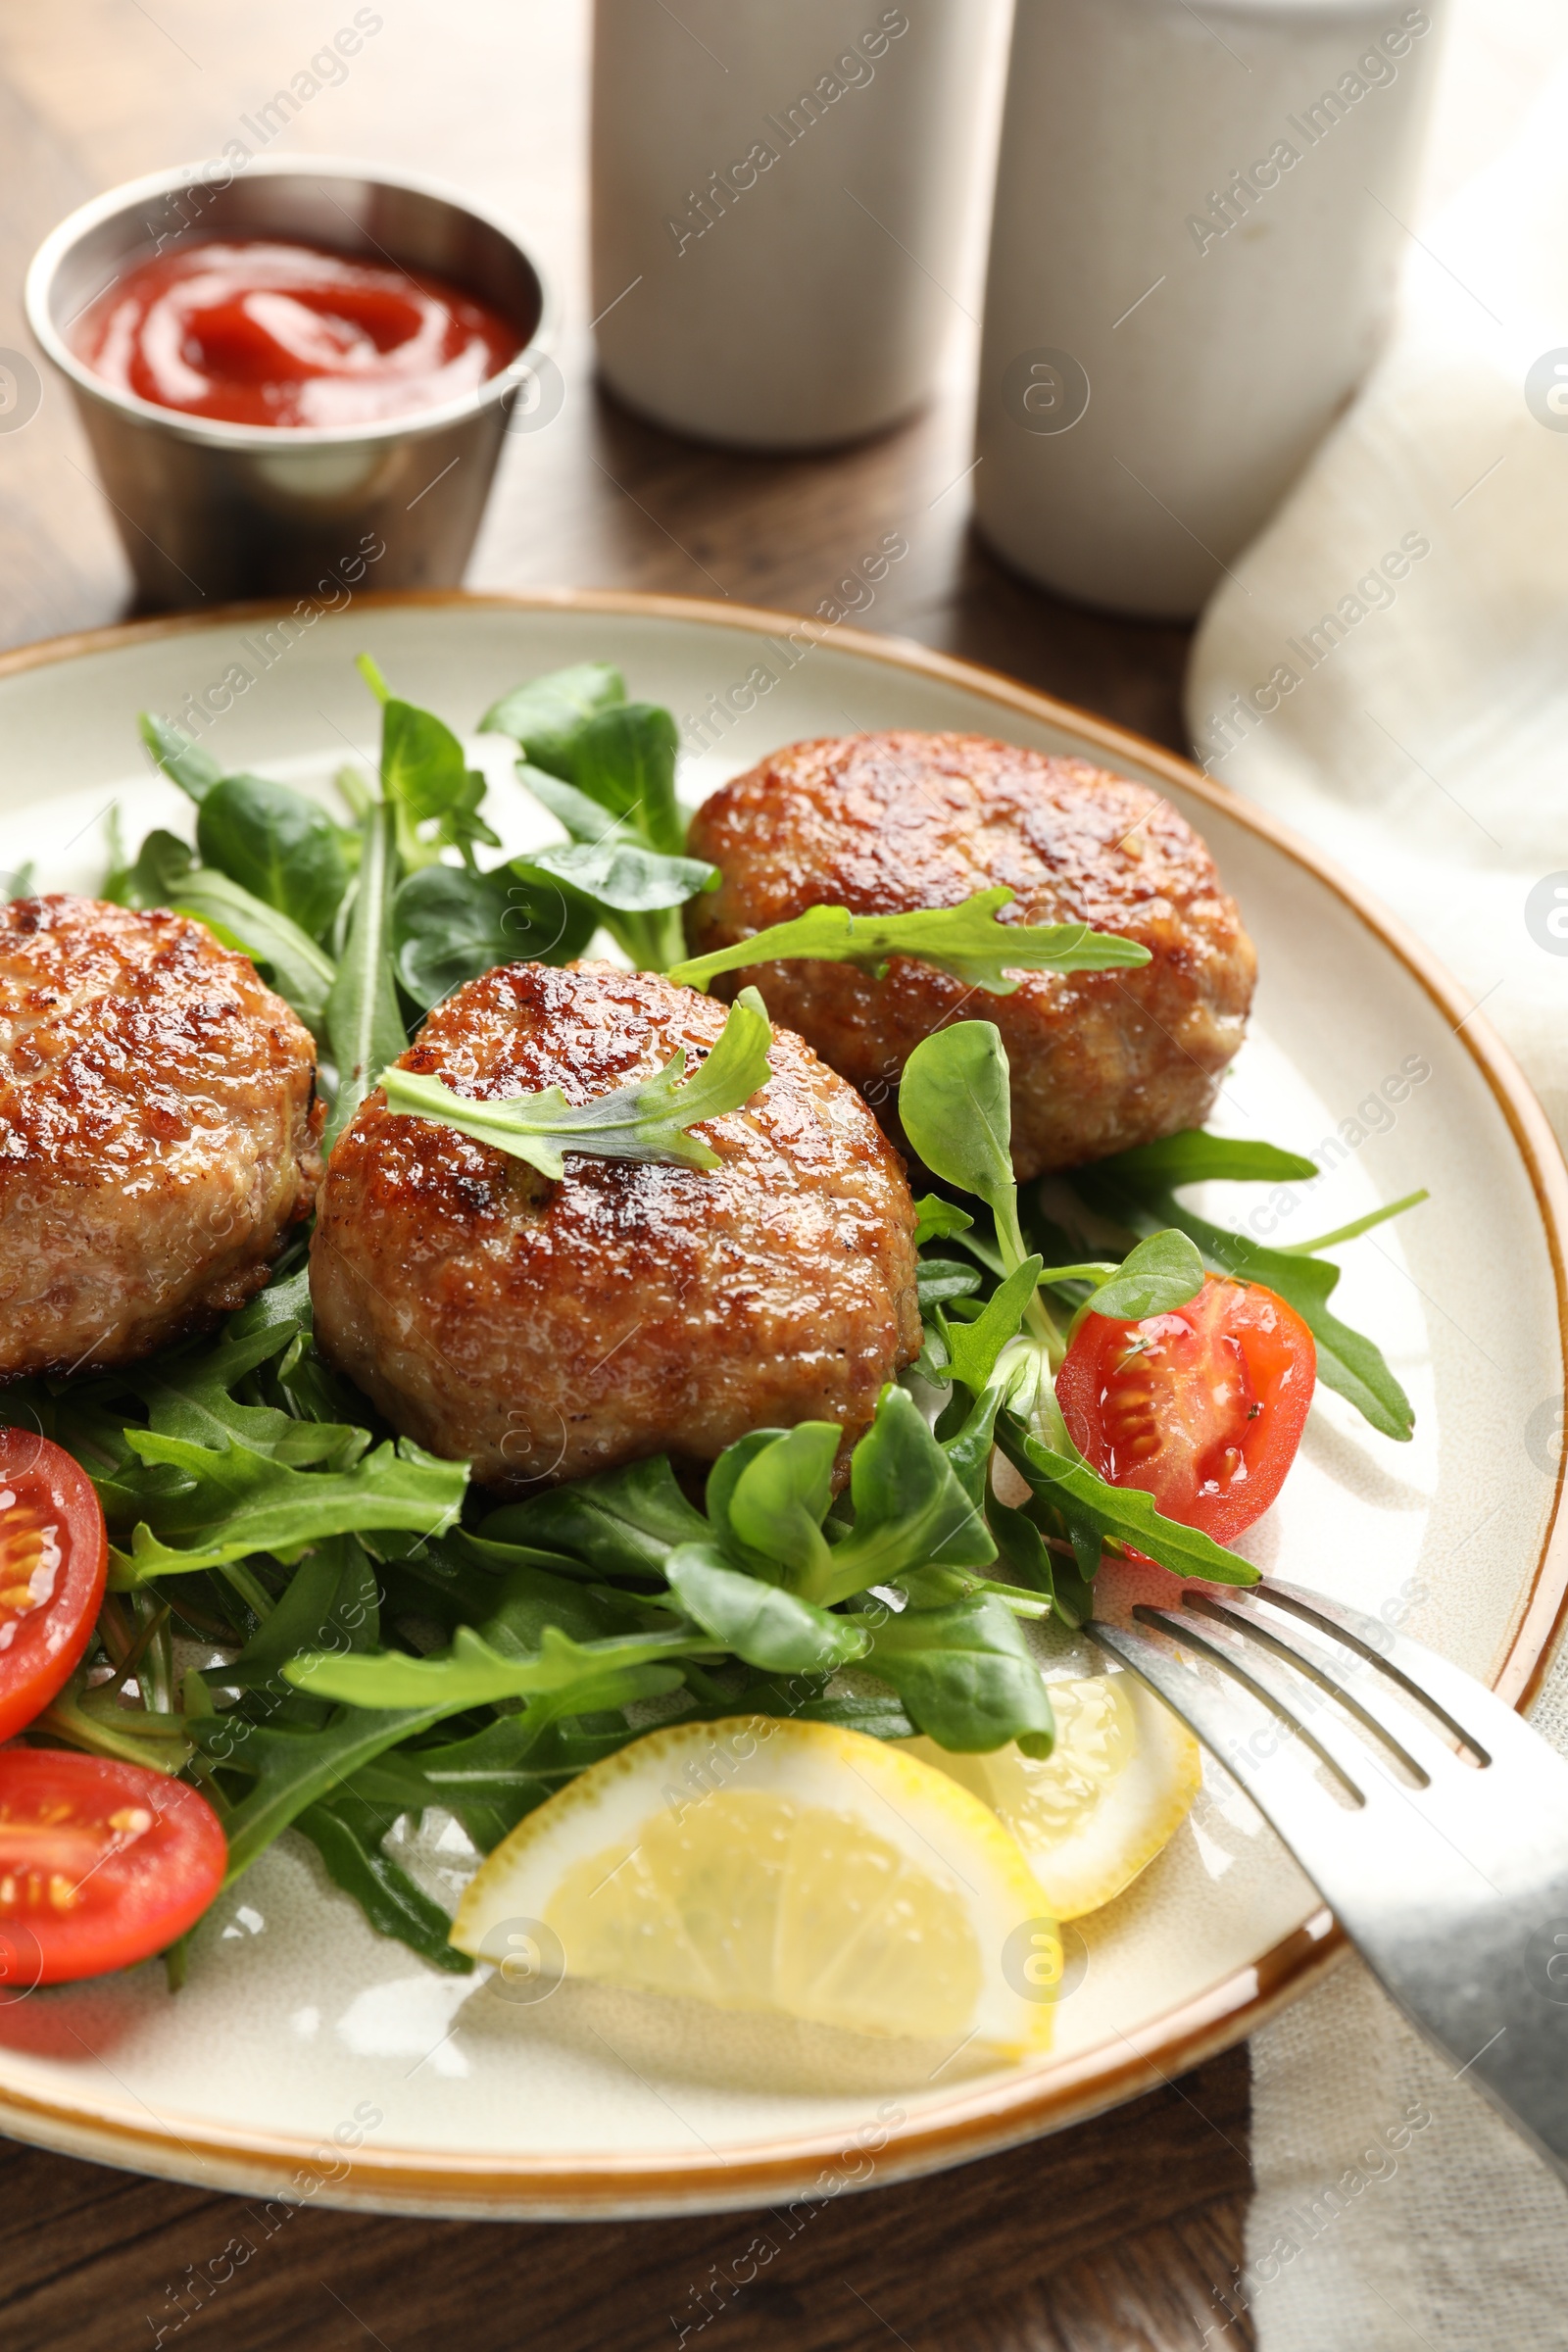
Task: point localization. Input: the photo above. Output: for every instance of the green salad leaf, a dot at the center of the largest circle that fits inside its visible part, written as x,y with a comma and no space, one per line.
955,1106
1158,1275
278,844
346,1831
1137,1189
545,717
624,877
965,941
623,1522
426,782
235,1501
363,1022
604,768
1058,1472
911,1510
451,924
965,1677
472,1674
768,1494
183,762
760,1622
648,1120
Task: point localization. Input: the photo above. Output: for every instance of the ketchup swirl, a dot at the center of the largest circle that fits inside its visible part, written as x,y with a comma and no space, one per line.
257,331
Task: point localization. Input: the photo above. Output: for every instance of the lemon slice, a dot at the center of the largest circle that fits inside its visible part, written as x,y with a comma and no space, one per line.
768,1865
1114,1790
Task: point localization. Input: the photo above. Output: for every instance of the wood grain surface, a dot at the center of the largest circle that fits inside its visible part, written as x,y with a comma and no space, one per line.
1116,2236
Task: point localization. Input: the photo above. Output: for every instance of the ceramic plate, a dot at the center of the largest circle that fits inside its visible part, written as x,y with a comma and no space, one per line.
309,2056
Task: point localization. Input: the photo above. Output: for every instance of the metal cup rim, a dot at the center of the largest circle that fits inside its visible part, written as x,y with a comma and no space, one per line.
215,431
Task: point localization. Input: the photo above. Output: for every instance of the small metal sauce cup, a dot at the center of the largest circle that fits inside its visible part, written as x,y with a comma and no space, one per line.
211,511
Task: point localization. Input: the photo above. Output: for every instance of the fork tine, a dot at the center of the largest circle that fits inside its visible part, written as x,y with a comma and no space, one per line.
1215,1716
1445,1690
1317,1670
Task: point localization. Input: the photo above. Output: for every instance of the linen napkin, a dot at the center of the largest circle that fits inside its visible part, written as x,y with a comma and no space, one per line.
1405,615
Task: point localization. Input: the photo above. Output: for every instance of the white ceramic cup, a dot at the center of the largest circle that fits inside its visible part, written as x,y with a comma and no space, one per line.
780,190
1200,217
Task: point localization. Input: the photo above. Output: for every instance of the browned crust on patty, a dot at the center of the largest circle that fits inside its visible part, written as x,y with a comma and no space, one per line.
158,1131
547,1330
885,823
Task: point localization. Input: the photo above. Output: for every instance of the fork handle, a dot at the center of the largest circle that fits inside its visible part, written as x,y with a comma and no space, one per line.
1480,1969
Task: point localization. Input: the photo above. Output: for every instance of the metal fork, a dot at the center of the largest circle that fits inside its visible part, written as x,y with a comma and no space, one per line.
1448,1871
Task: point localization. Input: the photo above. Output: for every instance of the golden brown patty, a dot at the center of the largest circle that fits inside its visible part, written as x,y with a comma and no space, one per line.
884,823
546,1330
158,1131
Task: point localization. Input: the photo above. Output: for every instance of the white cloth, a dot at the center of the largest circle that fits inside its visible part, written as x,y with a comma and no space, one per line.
1425,743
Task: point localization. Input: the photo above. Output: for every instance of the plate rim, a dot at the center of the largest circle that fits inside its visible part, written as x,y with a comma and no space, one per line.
607,2184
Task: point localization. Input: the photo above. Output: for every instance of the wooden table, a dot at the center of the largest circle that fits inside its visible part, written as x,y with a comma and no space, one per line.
1112,2237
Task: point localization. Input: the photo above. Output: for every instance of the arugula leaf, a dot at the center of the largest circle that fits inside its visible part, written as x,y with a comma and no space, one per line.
1195,1157
294,1764
546,716
966,1676
279,845
911,1508
969,1445
760,1622
622,1522
183,761
973,1348
346,1831
450,924
471,1674
362,1020
1346,1361
1067,1584
487,1779
528,1599
876,1713
965,941
238,1501
1161,1274
332,1597
1357,1227
191,1395
648,1120
1125,1513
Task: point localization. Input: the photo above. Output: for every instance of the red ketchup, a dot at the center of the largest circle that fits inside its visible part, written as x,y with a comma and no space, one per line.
261,332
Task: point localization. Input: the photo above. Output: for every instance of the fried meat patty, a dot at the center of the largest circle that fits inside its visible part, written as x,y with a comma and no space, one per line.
158,1131
546,1330
885,823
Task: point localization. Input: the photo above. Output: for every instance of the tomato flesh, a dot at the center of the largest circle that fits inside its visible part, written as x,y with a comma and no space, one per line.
1202,1407
54,1555
100,1864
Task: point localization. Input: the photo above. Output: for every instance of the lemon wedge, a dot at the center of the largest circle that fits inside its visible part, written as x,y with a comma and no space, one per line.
1113,1792
795,1868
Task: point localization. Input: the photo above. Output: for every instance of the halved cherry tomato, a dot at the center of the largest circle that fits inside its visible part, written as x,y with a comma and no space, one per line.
53,1554
100,1864
1202,1408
